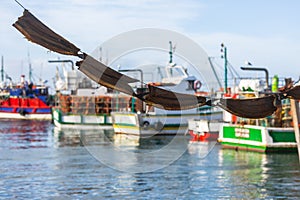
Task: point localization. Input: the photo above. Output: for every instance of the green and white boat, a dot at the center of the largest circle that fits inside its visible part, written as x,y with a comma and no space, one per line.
80,121
272,134
87,111
81,104
257,138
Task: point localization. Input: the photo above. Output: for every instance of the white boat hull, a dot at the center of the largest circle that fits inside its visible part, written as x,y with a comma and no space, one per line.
72,121
5,115
153,124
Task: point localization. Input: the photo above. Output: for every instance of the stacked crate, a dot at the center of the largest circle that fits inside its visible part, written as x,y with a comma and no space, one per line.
88,105
64,103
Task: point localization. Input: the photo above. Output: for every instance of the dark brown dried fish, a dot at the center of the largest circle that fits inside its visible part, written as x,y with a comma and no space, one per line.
35,31
169,100
250,108
106,76
293,92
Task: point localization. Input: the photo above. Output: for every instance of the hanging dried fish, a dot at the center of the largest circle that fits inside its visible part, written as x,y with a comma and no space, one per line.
293,93
169,100
250,108
35,31
106,76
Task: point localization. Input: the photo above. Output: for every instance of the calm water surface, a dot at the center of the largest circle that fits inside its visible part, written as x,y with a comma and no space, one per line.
39,162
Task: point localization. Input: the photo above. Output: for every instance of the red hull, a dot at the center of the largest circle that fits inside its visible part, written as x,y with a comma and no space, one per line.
24,106
203,137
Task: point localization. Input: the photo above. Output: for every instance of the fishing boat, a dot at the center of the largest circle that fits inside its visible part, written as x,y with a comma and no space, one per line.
82,104
150,120
258,138
274,133
24,100
203,130
88,111
158,122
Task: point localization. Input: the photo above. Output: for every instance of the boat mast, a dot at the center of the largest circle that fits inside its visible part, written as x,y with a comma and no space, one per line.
171,52
2,69
30,69
224,56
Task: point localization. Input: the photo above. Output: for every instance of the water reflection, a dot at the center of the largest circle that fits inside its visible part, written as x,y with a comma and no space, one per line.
258,176
98,137
71,137
125,152
177,169
202,149
23,134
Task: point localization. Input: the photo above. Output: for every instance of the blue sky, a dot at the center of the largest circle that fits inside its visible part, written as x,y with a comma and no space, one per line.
264,32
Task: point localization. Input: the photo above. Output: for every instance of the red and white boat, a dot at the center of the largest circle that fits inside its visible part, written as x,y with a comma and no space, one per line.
25,101
203,130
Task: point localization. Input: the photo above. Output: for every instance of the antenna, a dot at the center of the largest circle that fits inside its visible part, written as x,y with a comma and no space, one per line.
171,52
20,5
2,69
30,67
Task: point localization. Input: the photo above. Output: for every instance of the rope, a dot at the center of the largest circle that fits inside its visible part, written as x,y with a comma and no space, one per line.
20,5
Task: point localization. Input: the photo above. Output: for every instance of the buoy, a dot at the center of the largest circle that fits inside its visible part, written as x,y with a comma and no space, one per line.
197,84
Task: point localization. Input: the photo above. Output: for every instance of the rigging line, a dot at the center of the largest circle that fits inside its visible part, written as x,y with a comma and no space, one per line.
218,66
232,68
232,72
20,5
214,71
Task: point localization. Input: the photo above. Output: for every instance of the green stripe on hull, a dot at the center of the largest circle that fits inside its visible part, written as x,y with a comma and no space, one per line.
244,146
88,124
262,149
282,136
242,133
164,125
125,125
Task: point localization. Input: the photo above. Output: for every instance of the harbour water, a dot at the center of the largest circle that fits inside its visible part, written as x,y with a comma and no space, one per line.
39,162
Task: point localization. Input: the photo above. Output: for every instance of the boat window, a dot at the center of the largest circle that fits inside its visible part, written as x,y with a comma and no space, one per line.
43,91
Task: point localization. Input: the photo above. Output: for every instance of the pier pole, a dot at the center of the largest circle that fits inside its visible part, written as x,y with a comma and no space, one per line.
295,114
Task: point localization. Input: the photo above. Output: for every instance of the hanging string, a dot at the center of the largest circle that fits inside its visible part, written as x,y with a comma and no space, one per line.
20,5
